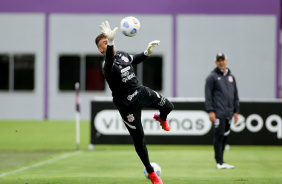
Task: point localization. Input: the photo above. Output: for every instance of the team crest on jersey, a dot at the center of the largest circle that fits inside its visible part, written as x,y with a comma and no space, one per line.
125,59
130,118
230,78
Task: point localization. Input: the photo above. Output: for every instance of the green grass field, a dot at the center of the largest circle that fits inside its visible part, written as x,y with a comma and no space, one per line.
44,152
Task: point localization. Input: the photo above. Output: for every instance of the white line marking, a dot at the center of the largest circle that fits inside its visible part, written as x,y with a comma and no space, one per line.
40,163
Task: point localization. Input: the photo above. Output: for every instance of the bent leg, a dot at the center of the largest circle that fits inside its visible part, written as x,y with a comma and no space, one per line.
164,106
156,101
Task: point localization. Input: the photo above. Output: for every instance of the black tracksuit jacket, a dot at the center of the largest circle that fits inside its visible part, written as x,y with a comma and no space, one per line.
221,94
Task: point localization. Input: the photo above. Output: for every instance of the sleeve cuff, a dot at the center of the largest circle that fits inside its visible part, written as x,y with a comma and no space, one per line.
146,53
110,43
209,111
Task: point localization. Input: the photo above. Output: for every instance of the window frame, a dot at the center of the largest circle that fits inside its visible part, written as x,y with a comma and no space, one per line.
11,76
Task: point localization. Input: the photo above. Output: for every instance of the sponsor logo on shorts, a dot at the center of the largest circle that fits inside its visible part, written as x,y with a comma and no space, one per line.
162,102
130,97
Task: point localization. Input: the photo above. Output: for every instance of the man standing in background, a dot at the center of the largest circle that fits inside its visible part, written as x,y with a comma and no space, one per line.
222,103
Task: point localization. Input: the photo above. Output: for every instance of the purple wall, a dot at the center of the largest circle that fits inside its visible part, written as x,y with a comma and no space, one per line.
172,7
144,6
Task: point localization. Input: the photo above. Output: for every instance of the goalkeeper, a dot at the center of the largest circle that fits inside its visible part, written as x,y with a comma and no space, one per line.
129,95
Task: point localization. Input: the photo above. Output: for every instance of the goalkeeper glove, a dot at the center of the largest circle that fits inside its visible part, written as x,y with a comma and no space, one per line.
106,30
151,47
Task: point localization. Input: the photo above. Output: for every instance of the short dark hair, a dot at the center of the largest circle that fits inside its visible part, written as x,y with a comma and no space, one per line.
98,38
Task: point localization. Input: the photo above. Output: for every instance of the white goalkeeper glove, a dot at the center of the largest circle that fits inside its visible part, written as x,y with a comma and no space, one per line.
151,47
106,30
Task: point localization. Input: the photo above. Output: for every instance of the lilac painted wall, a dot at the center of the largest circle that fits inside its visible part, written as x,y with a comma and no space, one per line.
173,7
144,6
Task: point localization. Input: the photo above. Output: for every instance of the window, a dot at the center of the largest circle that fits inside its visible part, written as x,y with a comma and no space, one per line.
24,72
17,72
86,69
94,75
4,71
152,72
149,72
83,69
69,69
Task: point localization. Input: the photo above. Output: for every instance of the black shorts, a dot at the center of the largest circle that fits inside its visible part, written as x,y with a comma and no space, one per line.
131,114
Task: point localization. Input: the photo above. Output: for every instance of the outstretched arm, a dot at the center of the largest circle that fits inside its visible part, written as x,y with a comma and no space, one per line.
110,34
138,58
109,59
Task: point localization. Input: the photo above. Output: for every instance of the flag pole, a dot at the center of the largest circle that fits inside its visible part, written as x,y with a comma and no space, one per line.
77,115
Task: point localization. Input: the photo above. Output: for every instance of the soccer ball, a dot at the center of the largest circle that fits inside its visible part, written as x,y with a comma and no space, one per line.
130,26
156,168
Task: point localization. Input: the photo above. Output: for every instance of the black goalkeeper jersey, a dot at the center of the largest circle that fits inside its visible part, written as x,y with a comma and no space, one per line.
120,76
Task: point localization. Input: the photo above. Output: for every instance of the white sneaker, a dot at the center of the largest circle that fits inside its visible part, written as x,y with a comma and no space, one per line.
227,166
220,166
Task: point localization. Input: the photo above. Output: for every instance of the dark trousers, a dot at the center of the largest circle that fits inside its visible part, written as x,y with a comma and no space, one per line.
221,131
131,115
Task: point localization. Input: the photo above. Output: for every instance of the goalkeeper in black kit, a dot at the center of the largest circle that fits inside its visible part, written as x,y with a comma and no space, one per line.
129,95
